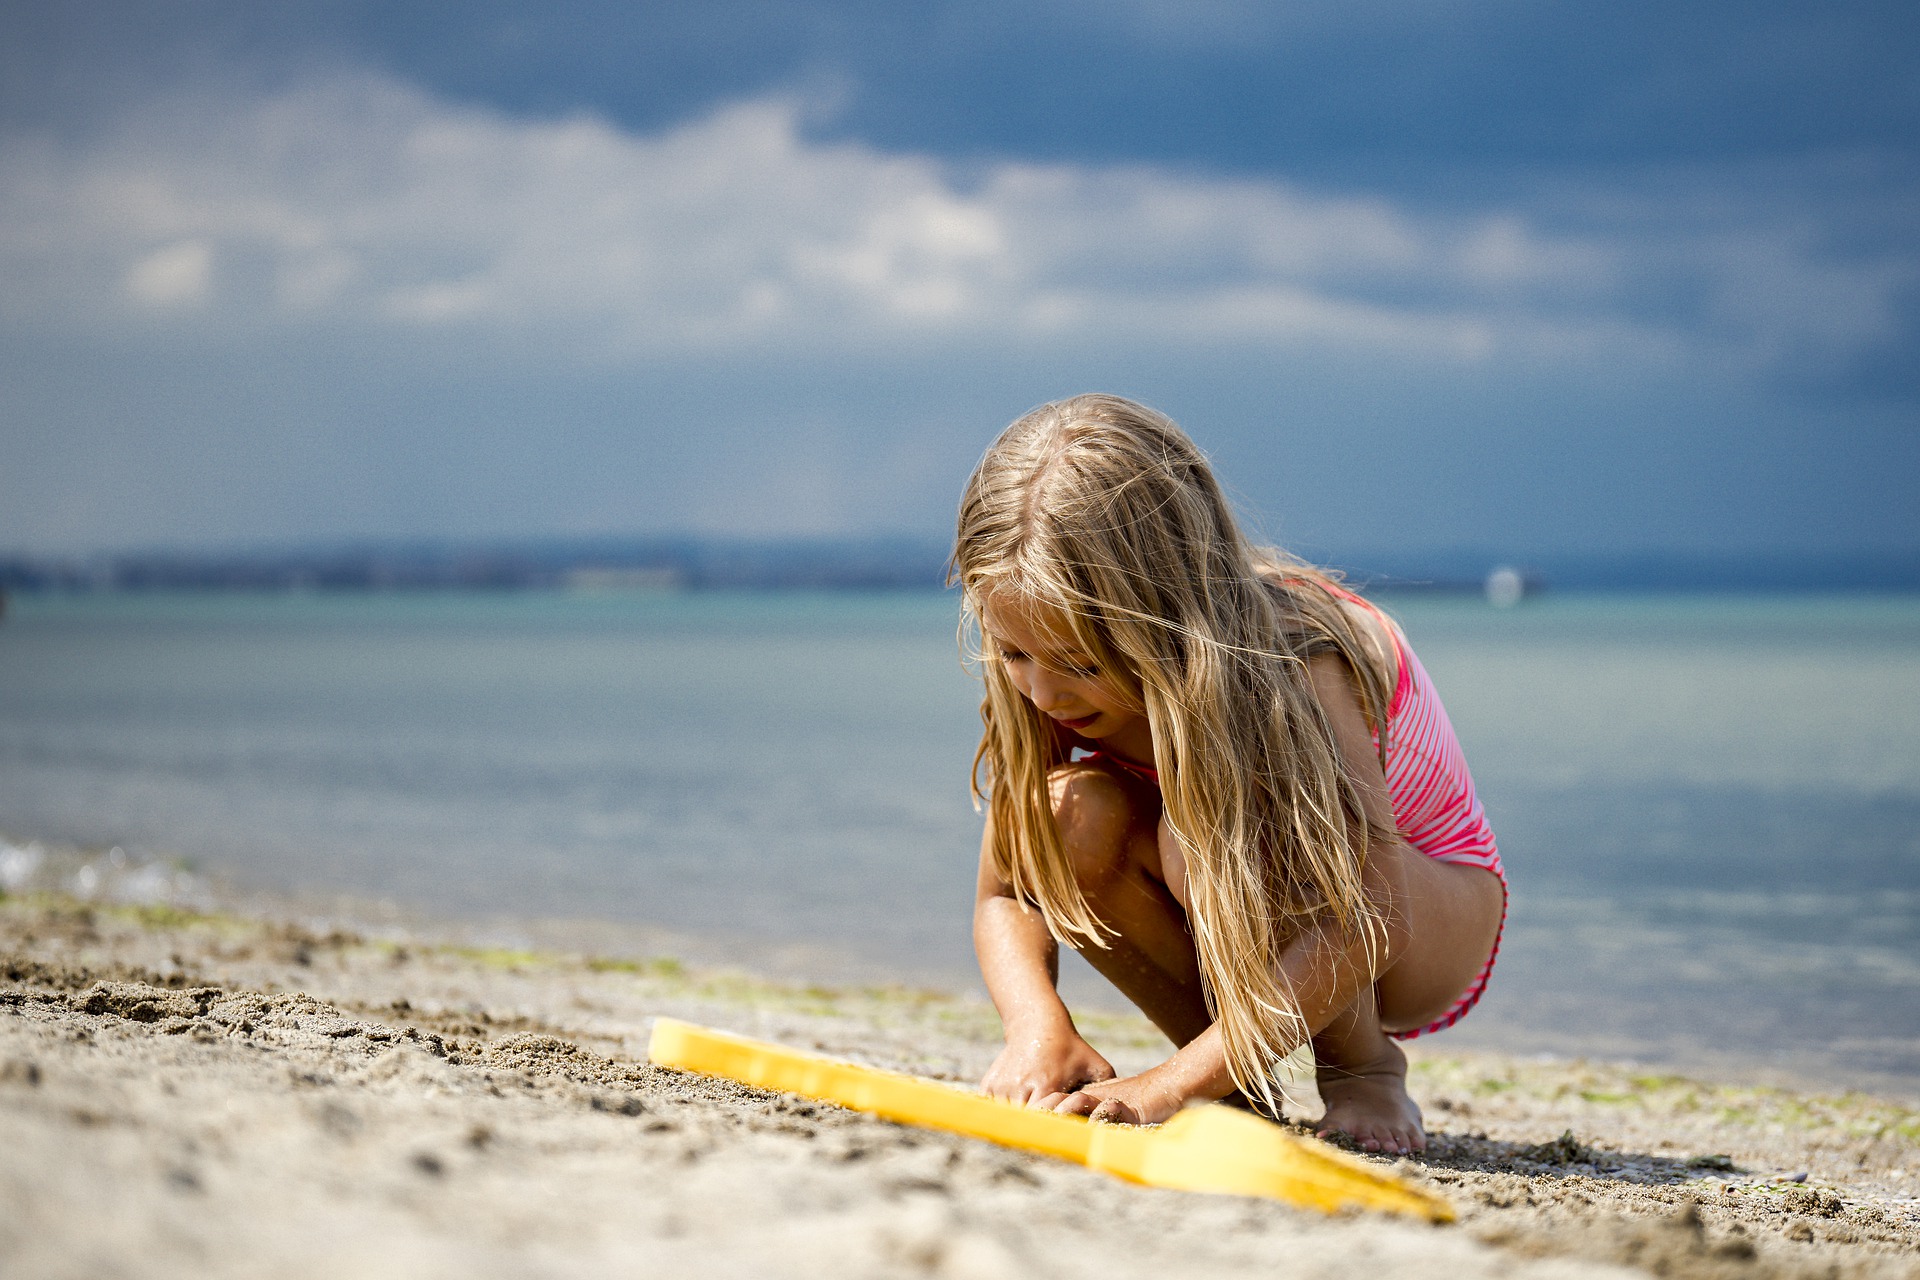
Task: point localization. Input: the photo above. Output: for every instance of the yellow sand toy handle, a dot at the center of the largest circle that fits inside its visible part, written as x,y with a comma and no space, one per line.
1216,1149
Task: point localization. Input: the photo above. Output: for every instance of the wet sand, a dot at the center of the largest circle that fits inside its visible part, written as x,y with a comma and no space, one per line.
214,1094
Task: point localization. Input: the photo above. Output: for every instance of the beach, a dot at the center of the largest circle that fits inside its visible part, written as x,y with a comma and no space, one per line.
208,1093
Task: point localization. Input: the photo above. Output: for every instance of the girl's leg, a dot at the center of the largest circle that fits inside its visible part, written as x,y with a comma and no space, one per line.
1109,824
1446,916
1133,876
1362,1078
1449,915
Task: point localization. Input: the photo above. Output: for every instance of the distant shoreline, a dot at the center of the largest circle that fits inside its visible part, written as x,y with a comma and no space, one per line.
881,564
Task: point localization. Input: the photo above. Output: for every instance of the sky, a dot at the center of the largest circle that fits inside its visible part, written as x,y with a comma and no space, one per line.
1537,277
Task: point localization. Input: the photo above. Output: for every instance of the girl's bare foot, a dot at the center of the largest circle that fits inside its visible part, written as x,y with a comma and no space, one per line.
1368,1102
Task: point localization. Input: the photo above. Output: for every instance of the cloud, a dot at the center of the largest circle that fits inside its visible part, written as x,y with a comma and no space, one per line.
176,274
363,201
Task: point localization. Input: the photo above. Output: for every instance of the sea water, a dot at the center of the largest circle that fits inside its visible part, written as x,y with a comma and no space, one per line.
1709,806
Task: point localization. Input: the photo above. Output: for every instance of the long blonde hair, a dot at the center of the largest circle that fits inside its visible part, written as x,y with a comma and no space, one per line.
1104,510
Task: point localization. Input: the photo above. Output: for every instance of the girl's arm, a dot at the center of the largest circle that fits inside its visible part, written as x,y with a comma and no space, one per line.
1044,1058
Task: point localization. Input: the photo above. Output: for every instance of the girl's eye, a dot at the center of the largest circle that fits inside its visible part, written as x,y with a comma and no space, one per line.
1079,670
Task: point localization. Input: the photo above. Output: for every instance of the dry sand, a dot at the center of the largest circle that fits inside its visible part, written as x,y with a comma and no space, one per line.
213,1095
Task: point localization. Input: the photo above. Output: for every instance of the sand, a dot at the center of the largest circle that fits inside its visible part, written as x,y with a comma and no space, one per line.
211,1095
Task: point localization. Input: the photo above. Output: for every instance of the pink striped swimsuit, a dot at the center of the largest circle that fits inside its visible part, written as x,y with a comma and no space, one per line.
1431,793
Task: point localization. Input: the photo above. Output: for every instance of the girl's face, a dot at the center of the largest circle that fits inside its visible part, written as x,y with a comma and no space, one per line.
1045,664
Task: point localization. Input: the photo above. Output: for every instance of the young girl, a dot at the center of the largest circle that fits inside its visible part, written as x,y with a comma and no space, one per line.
1221,777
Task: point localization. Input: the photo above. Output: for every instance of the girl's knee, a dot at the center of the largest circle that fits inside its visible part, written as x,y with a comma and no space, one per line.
1096,817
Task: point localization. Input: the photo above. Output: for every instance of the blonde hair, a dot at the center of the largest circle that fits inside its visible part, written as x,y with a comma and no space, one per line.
1104,510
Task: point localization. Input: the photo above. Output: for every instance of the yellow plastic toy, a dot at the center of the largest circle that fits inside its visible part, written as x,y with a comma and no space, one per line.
1216,1149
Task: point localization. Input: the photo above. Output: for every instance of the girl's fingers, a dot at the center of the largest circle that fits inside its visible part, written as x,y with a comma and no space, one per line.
1107,1110
1052,1102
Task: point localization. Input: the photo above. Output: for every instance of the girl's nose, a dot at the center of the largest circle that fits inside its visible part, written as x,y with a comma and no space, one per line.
1046,691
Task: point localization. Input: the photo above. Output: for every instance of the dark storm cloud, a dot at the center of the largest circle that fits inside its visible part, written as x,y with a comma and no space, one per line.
1309,89
1532,275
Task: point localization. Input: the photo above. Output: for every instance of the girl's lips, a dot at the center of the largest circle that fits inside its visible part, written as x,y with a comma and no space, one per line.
1081,723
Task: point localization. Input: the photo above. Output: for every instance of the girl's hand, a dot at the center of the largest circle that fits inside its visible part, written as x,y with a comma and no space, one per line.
1141,1099
1051,1065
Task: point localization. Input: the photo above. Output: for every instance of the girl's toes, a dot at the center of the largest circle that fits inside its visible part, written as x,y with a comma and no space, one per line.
1363,1137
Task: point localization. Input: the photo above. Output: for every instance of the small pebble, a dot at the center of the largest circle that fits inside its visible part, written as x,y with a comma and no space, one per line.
18,1069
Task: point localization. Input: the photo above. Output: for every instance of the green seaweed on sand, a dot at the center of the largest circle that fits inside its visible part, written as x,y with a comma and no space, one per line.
1596,1084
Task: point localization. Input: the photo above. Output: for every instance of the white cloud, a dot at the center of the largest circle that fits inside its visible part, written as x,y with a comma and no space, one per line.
365,201
179,273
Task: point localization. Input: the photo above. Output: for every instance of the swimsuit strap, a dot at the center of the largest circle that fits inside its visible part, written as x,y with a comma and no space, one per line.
1400,652
1146,771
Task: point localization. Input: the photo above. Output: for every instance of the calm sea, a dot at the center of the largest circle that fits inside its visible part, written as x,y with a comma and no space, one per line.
1710,806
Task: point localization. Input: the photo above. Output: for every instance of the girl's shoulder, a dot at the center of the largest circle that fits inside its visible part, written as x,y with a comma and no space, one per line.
1317,608
1321,617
